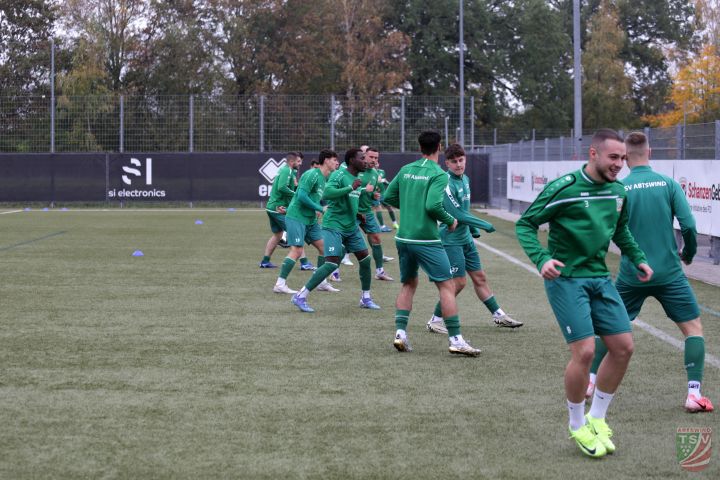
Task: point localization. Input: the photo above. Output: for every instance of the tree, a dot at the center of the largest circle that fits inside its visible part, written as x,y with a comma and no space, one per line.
607,95
696,93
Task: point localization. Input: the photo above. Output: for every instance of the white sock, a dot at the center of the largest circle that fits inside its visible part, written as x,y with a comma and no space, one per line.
456,339
346,257
366,294
601,402
303,293
576,412
380,270
435,319
694,388
498,313
593,377
401,334
280,282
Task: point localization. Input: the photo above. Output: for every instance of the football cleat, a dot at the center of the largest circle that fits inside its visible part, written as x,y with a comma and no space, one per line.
368,303
326,287
396,226
506,321
308,266
301,303
267,265
602,432
590,391
383,276
283,244
388,259
385,229
588,442
436,327
464,348
695,404
402,344
283,289
346,261
335,276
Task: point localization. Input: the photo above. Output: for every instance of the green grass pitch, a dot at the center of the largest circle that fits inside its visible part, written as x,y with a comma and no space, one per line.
184,364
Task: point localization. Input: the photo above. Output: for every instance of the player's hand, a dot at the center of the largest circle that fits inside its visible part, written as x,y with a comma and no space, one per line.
549,270
281,209
376,195
369,187
684,259
646,274
451,228
490,230
475,234
356,183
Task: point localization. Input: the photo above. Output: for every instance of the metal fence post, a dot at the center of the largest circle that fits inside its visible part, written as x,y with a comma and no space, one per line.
191,122
52,95
562,148
532,146
332,122
494,136
402,123
717,140
547,149
447,140
262,123
472,123
122,123
679,142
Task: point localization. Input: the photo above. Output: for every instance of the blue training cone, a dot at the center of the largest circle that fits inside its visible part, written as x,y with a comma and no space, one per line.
63,209
138,253
198,222
27,209
231,209
46,209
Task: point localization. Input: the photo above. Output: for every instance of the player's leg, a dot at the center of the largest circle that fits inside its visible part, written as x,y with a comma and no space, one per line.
373,235
355,243
403,302
330,244
393,218
678,300
457,269
277,227
296,239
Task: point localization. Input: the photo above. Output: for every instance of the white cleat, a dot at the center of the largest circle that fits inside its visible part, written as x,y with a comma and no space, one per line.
283,289
464,348
436,327
388,259
326,287
402,344
384,276
346,261
507,321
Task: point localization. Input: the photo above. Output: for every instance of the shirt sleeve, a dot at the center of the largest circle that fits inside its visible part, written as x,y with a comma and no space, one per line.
681,211
334,188
540,211
453,207
392,193
284,181
435,200
625,241
306,201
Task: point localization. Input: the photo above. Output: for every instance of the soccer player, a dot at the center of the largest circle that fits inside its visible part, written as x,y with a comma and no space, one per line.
371,227
652,201
282,192
586,209
340,229
301,219
377,207
459,245
418,190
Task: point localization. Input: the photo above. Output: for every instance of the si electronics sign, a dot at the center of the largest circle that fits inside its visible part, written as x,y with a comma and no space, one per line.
136,177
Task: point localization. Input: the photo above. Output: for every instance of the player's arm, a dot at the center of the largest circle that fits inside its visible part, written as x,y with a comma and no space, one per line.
334,188
527,226
306,201
283,182
392,193
685,218
454,208
625,241
434,202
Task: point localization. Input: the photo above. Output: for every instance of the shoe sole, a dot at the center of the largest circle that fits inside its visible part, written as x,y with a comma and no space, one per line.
401,346
385,279
466,353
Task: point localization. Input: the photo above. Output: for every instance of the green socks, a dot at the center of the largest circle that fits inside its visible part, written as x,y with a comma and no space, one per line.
320,261
380,218
365,274
320,275
438,310
491,304
694,358
401,319
265,259
287,266
377,253
392,215
453,325
303,261
600,352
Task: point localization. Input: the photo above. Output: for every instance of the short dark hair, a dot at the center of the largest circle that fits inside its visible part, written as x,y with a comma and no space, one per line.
429,141
605,134
326,153
454,151
293,155
351,154
314,162
372,149
636,139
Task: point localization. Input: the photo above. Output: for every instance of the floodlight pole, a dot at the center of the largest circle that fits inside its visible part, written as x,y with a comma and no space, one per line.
461,46
577,72
52,95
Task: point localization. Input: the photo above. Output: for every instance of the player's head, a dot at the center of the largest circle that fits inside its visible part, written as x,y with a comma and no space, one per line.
429,141
328,159
607,153
364,148
638,149
455,158
314,163
372,157
294,159
356,158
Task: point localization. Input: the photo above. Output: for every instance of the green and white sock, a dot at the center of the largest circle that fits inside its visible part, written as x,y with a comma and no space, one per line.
401,320
365,273
377,253
694,362
287,266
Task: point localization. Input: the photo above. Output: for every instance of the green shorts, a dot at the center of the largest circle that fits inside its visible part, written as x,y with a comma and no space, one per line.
588,306
677,299
334,241
298,232
431,257
463,258
277,221
371,224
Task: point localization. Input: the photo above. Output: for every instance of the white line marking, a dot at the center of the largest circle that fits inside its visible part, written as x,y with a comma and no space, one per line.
11,211
711,359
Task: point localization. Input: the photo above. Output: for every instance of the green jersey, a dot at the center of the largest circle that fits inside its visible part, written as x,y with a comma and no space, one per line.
366,198
283,188
584,216
419,190
343,202
307,197
457,203
382,181
652,201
